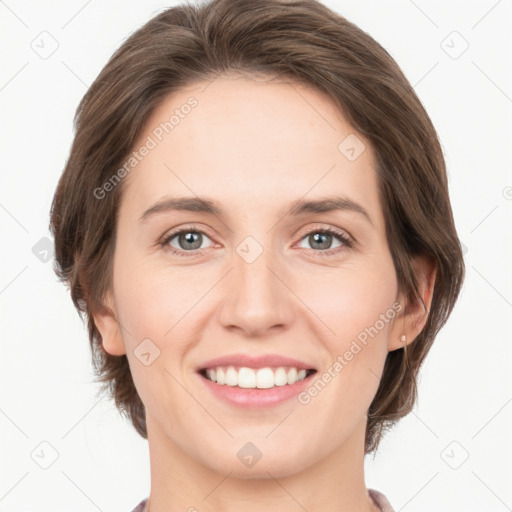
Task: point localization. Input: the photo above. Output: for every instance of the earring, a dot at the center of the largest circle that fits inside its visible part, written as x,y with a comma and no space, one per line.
403,338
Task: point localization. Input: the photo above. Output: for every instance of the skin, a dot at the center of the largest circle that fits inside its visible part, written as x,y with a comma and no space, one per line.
255,146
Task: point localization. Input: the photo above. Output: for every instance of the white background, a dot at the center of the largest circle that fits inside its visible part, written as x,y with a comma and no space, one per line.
46,389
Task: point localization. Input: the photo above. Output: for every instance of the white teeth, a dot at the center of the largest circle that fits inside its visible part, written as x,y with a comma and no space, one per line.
221,376
280,377
231,377
292,375
262,378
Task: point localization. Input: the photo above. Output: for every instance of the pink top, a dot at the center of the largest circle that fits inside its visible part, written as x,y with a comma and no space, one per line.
380,500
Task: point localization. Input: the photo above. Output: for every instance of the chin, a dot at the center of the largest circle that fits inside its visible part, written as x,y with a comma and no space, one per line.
279,465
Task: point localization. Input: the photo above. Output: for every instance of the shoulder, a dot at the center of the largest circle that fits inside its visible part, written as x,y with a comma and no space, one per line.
141,507
381,500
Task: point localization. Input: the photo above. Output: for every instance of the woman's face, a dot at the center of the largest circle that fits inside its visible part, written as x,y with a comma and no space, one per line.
254,279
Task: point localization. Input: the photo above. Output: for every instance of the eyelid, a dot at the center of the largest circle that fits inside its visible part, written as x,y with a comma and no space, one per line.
169,235
348,243
345,238
325,227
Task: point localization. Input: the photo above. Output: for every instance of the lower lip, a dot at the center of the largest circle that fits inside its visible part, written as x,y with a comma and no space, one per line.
256,398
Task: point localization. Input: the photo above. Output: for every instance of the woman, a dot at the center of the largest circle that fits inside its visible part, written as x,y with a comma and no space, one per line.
255,219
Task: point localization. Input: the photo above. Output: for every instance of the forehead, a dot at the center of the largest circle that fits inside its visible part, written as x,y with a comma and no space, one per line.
246,141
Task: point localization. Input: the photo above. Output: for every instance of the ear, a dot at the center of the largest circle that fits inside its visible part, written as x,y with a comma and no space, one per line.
109,328
412,318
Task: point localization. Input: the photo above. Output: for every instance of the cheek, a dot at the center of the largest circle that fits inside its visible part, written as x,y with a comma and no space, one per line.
358,308
158,302
349,301
144,300
153,305
143,307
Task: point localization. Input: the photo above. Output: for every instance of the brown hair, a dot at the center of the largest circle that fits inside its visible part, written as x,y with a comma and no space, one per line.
302,40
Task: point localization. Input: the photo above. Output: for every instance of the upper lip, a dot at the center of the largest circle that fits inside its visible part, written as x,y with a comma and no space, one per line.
244,360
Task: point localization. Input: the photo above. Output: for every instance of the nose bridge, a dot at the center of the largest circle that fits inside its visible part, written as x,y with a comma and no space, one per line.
256,299
252,267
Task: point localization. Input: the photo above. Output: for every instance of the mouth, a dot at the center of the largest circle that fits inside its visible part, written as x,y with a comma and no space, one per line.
255,378
255,381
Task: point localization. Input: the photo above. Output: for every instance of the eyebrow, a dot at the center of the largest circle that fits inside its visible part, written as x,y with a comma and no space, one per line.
296,208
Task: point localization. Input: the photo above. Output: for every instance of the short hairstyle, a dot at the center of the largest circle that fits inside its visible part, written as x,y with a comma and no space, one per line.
304,41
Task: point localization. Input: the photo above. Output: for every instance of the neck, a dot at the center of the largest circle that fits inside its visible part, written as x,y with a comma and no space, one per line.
333,484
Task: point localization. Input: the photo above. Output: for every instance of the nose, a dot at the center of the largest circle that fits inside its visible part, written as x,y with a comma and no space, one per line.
256,297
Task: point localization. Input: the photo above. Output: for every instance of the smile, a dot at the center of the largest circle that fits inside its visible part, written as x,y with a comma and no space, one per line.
261,378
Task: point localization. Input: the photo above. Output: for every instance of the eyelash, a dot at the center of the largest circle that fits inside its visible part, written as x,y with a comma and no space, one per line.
346,241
